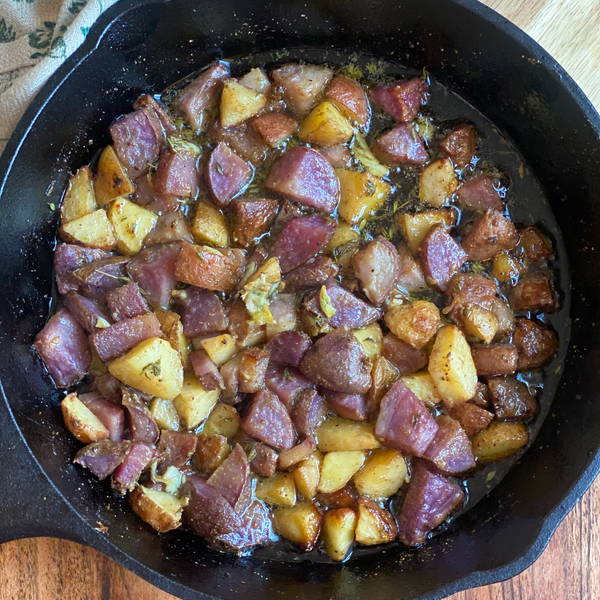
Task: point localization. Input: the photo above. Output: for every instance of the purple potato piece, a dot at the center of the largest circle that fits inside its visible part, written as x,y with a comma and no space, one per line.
536,344
126,302
533,293
512,399
265,460
267,419
377,267
309,412
116,340
338,362
109,387
349,406
303,85
170,227
254,217
410,276
460,145
429,500
304,175
128,472
242,139
403,356
472,418
491,234
206,371
67,259
495,359
232,480
226,174
159,109
97,278
142,426
64,349
87,312
160,204
288,212
111,416
253,367
300,240
256,529
177,173
153,269
201,95
176,448
479,194
312,274
470,288
286,383
401,99
404,422
339,156
441,257
450,452
201,312
401,146
102,458
289,347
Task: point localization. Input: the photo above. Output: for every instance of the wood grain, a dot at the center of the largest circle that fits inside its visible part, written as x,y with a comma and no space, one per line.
569,569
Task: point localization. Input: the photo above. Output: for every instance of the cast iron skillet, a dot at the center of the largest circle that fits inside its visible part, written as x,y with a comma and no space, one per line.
138,46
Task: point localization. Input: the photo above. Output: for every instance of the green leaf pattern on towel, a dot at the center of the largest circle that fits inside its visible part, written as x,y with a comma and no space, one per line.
76,6
47,42
7,33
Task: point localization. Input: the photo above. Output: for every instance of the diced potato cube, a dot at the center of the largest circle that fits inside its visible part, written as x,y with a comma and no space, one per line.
220,348
307,474
507,268
152,367
239,103
160,510
479,322
325,126
81,421
382,475
269,272
164,413
256,80
384,374
194,403
437,182
337,435
414,323
343,245
361,195
285,313
361,151
338,468
451,366
499,440
278,490
112,180
79,199
93,230
300,524
131,223
210,226
421,384
415,226
338,532
375,525
211,451
371,338
172,327
223,420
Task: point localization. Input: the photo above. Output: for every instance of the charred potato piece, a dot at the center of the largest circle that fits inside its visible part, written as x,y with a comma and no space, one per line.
81,421
301,524
338,532
382,475
160,510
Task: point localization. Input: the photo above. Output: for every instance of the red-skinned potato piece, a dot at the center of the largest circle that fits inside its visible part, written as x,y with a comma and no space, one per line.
401,146
256,529
275,127
128,472
254,217
205,370
209,268
349,406
441,257
479,194
201,95
512,399
142,426
491,234
287,383
177,173
429,500
99,277
242,139
351,96
103,457
533,293
111,416
126,302
459,145
226,174
86,312
536,344
410,274
304,175
289,347
63,347
404,422
201,312
312,274
338,156
536,247
403,356
176,448
309,412
471,288
495,359
265,460
232,480
450,451
471,417
147,195
67,259
401,99
159,109
267,419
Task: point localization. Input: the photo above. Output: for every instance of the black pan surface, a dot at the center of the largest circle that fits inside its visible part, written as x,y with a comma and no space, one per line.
140,46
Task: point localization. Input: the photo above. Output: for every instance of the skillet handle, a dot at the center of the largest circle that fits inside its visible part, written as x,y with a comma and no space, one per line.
30,506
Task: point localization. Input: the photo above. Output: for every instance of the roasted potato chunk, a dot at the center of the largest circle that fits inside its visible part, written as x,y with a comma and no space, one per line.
278,490
131,223
160,510
300,524
93,230
451,366
499,440
81,421
325,126
239,103
210,226
343,245
414,323
437,182
417,225
382,475
223,420
338,532
211,451
338,468
478,322
172,327
307,475
507,268
423,387
340,435
375,525
371,338
112,180
194,403
79,199
220,348
362,195
152,367
164,413
361,151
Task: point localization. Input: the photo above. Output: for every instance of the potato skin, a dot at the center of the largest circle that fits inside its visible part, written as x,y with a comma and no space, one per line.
499,440
93,230
338,532
300,524
81,421
152,513
414,323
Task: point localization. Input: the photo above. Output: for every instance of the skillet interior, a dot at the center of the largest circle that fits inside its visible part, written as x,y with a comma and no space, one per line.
146,49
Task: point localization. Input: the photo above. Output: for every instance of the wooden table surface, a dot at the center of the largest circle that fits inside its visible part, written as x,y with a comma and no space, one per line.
569,568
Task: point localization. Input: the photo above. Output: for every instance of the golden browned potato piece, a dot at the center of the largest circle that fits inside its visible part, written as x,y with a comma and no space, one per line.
223,420
384,374
131,224
338,532
93,230
210,226
371,338
112,180
479,322
415,226
343,245
220,348
499,440
437,182
300,524
451,366
325,126
361,151
375,525
338,468
194,403
160,510
79,199
164,413
307,475
422,386
361,195
414,323
172,327
81,421
278,490
507,269
152,367
211,451
338,435
382,475
239,103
